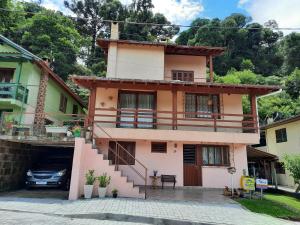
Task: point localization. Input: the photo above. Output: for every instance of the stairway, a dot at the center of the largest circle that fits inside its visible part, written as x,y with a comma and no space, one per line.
93,159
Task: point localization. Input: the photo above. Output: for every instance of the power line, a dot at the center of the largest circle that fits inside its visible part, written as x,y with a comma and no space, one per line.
157,24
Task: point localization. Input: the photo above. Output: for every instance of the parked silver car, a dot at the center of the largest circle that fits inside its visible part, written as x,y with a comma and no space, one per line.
53,172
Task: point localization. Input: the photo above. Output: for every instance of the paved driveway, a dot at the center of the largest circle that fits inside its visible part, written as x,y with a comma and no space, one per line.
126,211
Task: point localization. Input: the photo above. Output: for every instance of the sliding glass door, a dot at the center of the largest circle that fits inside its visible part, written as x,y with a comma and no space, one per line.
136,109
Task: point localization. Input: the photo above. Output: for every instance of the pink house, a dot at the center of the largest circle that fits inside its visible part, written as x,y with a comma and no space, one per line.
156,111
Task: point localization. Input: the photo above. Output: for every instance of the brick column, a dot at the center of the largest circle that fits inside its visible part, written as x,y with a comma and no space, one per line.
39,118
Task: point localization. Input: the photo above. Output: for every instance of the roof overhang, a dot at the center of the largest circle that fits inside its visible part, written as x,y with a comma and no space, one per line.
170,49
255,154
91,82
282,122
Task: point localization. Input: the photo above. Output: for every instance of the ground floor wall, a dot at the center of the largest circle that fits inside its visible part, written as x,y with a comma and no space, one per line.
15,158
171,163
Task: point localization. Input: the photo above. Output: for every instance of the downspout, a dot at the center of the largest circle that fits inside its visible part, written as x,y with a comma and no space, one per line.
18,83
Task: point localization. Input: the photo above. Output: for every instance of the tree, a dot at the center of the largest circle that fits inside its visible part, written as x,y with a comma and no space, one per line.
247,65
243,40
50,34
292,164
290,48
239,77
293,84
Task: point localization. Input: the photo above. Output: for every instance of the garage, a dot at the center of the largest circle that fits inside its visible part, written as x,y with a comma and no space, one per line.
35,169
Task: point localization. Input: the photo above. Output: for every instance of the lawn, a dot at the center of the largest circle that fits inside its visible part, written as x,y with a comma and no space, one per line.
280,206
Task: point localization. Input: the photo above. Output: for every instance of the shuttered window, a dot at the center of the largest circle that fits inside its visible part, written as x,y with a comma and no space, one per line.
159,147
63,103
183,75
281,135
189,154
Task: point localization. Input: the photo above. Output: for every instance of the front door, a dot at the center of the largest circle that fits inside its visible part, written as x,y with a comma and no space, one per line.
192,161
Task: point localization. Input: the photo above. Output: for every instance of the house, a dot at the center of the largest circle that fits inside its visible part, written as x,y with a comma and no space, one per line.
30,92
283,138
156,111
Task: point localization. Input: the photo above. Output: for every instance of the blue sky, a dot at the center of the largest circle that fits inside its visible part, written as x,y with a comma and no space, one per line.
285,12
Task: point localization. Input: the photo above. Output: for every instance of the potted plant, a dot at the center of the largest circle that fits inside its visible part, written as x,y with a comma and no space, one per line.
8,124
114,193
76,131
104,181
89,184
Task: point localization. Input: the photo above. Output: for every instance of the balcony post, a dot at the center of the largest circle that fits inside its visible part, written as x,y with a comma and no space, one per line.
91,109
253,111
211,69
174,109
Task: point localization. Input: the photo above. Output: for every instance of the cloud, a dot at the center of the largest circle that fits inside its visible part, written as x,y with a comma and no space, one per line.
285,12
176,11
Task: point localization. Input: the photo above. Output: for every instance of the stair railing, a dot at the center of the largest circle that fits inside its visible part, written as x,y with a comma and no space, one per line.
117,157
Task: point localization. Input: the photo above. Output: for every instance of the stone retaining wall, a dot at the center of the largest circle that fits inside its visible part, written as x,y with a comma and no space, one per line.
15,159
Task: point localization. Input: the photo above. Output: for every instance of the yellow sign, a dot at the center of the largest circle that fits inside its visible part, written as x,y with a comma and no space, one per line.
248,183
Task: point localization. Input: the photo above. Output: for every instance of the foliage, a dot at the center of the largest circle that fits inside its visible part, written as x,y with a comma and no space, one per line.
247,65
82,93
293,84
292,164
290,48
90,178
114,191
281,103
104,180
243,40
238,77
51,35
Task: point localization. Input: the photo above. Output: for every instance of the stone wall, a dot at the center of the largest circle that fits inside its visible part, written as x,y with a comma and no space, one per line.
15,159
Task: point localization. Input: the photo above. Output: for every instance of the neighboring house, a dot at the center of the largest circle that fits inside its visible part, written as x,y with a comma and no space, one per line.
29,88
283,138
157,104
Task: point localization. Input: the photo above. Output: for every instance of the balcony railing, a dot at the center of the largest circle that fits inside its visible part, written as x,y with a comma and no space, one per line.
167,120
13,91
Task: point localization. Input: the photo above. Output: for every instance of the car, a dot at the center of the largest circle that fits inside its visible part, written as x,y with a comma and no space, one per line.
50,172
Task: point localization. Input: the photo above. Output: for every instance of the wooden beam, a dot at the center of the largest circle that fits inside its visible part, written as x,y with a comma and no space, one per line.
174,109
92,105
211,69
253,108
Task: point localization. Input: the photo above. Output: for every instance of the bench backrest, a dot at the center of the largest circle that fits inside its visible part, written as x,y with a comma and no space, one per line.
168,178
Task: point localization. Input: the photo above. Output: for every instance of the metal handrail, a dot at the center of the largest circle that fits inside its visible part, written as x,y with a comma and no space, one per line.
119,157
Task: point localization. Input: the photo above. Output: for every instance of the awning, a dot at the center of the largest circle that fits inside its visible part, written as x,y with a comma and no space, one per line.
255,154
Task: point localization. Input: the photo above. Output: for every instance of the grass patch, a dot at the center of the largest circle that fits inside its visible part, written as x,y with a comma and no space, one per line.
280,206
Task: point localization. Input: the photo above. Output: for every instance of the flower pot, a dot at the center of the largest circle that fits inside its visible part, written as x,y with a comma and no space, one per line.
88,190
102,191
77,134
115,195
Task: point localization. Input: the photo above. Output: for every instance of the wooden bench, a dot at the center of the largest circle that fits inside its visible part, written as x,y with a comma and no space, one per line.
168,179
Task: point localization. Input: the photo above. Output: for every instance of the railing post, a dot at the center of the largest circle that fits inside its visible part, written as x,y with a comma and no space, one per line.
254,112
146,175
215,122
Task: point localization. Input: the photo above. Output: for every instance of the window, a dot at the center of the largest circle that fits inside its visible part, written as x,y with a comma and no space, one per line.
75,110
215,155
182,75
124,157
159,147
281,135
63,103
6,75
130,103
201,105
189,154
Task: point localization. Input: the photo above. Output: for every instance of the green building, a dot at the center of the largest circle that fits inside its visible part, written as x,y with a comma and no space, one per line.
30,92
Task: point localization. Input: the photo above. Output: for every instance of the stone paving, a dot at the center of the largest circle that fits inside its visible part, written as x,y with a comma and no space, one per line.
50,211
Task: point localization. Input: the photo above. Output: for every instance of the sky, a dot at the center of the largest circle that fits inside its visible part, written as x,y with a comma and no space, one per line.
285,12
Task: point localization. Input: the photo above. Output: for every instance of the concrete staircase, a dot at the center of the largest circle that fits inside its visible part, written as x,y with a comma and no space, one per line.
89,157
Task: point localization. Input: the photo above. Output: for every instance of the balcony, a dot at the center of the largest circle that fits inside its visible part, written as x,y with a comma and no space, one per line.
13,91
180,126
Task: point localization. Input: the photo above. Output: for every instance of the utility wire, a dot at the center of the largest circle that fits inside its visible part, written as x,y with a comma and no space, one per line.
156,24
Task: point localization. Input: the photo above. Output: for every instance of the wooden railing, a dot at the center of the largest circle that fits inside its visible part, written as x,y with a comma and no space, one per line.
117,157
155,119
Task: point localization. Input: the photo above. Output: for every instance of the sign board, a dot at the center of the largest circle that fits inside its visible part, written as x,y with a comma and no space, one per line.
248,183
262,183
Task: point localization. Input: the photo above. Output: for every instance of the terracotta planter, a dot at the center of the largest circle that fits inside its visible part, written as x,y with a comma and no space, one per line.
102,192
88,191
